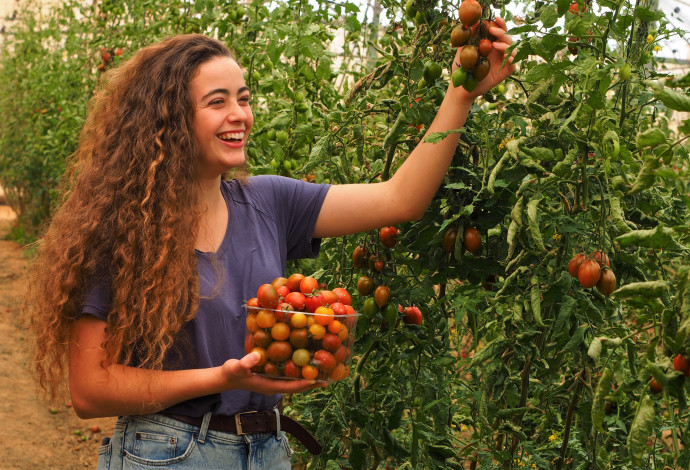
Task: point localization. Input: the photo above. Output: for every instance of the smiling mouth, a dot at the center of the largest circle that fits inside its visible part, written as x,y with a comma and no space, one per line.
231,136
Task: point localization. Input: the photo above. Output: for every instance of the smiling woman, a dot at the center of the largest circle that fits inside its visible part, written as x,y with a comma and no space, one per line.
137,292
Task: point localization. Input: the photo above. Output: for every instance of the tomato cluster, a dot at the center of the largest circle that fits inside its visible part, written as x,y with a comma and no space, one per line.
364,256
471,239
472,34
301,329
377,299
107,56
593,271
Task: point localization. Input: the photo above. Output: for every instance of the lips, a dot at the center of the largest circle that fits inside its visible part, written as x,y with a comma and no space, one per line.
234,136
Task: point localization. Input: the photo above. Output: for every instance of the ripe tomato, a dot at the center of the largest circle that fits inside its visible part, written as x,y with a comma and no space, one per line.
359,256
263,358
342,354
485,47
343,295
449,239
365,285
482,69
268,296
655,387
335,326
339,373
413,316
459,36
470,12
315,301
575,263
338,309
468,57
292,370
329,296
299,338
251,322
265,319
331,342
253,303
575,8
297,300
279,282
248,343
262,338
308,285
272,369
293,282
310,372
471,239
589,273
279,351
324,360
280,331
682,364
301,357
283,291
601,258
298,320
324,315
607,282
382,295
389,236
317,331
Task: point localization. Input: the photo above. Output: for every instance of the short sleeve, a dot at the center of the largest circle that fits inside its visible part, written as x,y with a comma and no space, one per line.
98,299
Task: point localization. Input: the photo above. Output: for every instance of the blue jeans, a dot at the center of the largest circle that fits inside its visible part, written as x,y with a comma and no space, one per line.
152,441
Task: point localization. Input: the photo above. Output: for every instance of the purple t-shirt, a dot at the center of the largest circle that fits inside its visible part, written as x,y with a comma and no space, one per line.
270,220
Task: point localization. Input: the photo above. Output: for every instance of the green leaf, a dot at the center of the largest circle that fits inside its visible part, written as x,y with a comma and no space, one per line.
641,429
672,99
549,16
650,138
645,290
598,402
656,238
648,15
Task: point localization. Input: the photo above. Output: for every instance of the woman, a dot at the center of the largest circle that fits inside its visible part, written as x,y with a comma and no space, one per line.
137,289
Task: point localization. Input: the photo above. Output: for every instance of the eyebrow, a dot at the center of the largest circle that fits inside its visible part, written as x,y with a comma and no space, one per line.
224,91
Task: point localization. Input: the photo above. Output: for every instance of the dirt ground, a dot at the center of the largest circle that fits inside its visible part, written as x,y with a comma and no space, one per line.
33,434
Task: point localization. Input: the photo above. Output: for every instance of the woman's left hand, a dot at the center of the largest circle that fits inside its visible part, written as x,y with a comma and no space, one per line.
497,72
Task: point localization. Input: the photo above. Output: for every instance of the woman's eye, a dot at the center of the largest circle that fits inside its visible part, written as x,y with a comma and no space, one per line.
245,99
216,102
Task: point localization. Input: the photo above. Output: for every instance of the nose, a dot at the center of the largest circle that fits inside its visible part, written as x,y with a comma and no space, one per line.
236,113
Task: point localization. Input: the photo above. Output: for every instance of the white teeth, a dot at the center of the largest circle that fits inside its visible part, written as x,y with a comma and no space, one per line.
231,136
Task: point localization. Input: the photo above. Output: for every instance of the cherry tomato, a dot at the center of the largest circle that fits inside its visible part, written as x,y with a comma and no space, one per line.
253,303
338,309
270,368
589,273
389,236
323,315
468,57
308,285
301,357
339,373
283,291
297,300
459,36
370,308
329,296
292,370
575,263
293,282
601,258
470,12
471,239
413,316
268,296
299,338
310,372
382,295
324,360
262,338
280,331
317,331
607,282
266,319
655,387
482,69
279,351
682,364
343,295
251,322
485,47
359,256
298,320
331,342
279,282
315,301
365,285
449,239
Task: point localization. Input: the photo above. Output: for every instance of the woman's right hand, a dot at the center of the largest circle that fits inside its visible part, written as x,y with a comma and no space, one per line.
238,373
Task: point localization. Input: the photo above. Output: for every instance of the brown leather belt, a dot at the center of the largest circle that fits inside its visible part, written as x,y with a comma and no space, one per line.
253,422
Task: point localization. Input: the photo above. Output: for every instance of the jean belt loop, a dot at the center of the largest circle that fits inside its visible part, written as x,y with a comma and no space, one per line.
277,411
204,426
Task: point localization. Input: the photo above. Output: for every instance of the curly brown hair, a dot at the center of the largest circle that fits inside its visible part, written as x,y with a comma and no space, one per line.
129,214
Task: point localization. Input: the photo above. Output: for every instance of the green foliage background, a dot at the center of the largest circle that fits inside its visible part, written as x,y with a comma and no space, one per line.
515,364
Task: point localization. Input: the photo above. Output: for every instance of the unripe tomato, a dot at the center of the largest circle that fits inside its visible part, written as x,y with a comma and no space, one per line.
682,364
365,285
589,273
472,239
607,282
470,83
575,263
470,12
432,72
359,256
468,57
382,296
624,72
459,36
301,357
458,77
389,313
370,308
450,236
481,70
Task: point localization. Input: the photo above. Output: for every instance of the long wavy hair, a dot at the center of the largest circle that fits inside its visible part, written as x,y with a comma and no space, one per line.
129,214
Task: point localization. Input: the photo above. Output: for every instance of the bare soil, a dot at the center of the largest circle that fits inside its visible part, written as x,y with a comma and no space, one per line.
33,433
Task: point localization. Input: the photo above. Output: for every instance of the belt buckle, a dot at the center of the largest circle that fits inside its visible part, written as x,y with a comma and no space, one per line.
238,422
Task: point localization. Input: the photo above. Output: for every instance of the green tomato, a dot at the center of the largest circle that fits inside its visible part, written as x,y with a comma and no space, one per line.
470,83
271,134
256,76
624,72
432,72
459,77
275,164
281,137
301,107
389,313
501,88
410,9
370,308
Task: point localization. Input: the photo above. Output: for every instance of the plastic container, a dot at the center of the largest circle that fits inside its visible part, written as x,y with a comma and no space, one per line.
301,345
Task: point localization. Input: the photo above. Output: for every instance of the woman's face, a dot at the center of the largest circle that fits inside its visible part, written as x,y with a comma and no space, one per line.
222,115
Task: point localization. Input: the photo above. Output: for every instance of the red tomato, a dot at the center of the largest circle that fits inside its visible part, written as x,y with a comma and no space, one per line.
382,295
262,339
329,296
389,236
253,303
601,258
324,360
655,387
293,282
272,369
589,273
314,301
472,239
342,354
485,47
359,256
268,296
248,343
682,364
607,282
297,300
470,12
331,342
283,291
308,285
575,263
575,8
292,370
413,316
343,295
338,309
